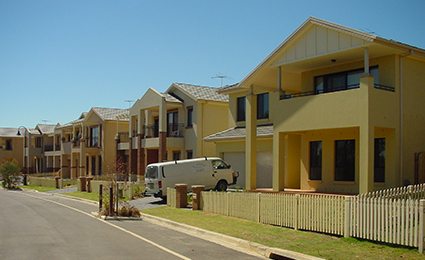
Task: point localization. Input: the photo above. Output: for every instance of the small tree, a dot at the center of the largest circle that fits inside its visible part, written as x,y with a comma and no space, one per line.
10,171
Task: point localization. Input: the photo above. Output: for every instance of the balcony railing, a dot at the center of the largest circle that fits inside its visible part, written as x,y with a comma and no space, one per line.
48,148
173,130
315,92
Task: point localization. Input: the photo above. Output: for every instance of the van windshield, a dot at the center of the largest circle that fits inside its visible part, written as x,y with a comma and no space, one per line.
152,172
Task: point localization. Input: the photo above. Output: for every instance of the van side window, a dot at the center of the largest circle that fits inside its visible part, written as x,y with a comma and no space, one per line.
219,165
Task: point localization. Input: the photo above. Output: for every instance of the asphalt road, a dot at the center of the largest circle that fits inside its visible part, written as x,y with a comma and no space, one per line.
43,226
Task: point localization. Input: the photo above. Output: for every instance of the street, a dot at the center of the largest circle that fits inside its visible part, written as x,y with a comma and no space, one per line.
42,226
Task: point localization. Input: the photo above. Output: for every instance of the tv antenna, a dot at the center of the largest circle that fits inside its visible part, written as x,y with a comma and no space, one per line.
129,102
221,77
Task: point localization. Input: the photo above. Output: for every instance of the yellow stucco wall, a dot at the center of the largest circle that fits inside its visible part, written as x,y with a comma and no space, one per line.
15,153
413,114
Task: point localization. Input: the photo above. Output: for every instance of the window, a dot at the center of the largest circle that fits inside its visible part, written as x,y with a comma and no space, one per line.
190,116
241,109
218,164
8,145
189,154
344,160
172,122
379,172
342,80
94,136
316,160
263,106
176,155
151,172
38,142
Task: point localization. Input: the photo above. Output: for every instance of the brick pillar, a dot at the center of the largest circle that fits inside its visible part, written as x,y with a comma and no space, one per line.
196,196
181,195
89,179
140,158
82,180
162,146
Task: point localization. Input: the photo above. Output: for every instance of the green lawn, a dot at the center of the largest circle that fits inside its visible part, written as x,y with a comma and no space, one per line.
311,243
83,195
37,187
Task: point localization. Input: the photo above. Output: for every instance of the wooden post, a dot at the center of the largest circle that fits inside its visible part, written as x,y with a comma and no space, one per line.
100,197
421,225
111,200
295,209
347,222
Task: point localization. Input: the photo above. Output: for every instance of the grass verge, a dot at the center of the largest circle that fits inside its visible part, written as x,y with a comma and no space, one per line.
89,195
311,243
37,187
83,195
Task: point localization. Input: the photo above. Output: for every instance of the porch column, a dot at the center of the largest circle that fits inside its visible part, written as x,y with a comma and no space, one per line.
140,149
73,166
278,162
251,141
83,160
366,140
162,130
366,62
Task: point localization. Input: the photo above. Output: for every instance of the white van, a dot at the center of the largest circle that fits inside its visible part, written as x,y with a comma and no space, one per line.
212,172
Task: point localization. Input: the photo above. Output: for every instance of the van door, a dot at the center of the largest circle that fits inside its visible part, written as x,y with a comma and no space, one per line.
152,180
222,171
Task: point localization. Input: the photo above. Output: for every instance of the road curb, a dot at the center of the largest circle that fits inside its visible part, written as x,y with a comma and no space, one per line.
228,241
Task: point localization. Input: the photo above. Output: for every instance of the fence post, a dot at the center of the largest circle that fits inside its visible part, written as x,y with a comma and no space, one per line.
295,209
348,212
259,208
421,225
100,197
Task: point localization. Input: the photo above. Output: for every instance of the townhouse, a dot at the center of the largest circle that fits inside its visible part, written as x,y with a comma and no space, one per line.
171,126
87,145
333,108
11,145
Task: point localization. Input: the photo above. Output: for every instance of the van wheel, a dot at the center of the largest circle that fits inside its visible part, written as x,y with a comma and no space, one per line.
221,186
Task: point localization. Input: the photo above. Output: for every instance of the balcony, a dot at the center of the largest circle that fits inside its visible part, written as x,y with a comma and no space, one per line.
349,87
173,130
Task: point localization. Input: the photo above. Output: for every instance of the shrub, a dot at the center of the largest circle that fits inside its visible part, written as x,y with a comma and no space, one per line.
10,171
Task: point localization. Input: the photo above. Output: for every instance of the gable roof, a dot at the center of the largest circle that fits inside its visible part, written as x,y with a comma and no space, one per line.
199,92
46,129
109,113
364,36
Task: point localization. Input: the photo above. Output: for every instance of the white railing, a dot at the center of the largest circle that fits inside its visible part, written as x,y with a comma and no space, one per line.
322,213
389,220
406,192
394,221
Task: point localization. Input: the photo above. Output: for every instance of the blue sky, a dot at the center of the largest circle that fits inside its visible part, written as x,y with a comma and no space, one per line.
60,58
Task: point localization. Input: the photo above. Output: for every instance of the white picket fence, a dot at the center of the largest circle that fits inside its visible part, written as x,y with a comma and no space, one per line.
321,213
406,192
388,219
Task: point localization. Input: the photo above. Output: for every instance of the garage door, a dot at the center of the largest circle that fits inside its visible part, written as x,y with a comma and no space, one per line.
264,168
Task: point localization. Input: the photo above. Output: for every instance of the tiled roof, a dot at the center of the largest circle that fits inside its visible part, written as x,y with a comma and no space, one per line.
240,132
109,113
46,129
10,132
202,92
